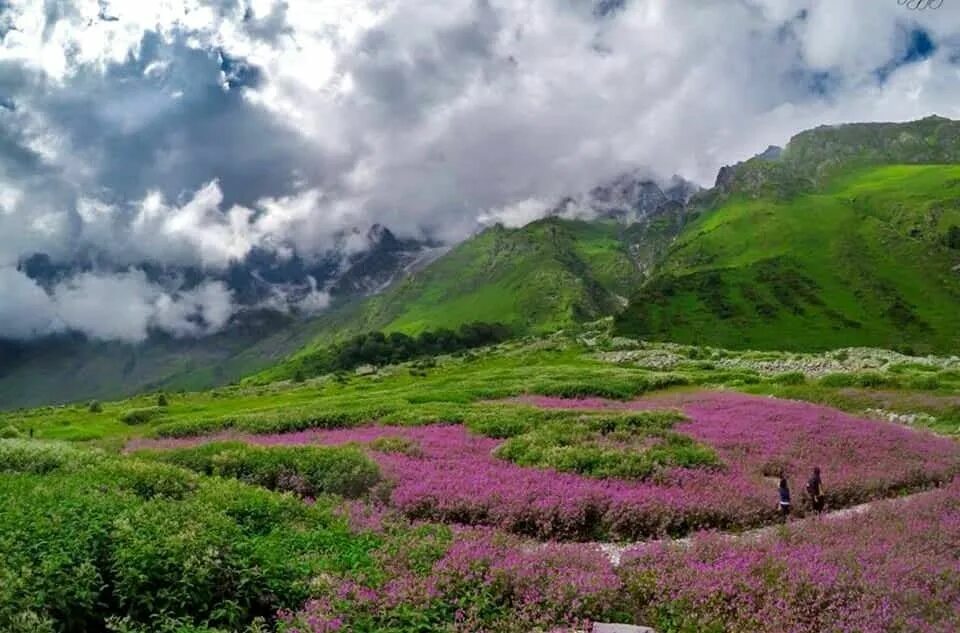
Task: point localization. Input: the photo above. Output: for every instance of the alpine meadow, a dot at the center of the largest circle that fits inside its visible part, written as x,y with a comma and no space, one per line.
374,317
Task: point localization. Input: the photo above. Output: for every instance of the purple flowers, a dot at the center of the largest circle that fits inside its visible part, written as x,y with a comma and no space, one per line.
453,476
895,568
483,581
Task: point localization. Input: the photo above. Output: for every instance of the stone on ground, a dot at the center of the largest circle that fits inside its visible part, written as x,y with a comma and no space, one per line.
605,627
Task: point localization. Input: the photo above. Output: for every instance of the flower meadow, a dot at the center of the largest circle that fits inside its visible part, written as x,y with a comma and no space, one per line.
446,473
894,568
475,579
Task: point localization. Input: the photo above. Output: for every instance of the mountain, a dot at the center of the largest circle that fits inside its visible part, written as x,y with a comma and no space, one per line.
849,236
269,326
547,275
629,198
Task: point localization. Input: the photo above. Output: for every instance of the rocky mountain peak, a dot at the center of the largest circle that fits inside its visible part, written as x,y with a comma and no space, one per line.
629,198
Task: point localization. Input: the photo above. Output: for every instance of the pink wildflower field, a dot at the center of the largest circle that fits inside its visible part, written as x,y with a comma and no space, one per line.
893,569
454,477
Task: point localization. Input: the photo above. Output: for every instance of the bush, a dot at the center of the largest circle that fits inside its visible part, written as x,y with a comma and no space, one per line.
838,380
9,432
400,445
191,428
866,380
80,553
501,422
872,380
135,417
305,470
789,378
949,374
32,456
148,480
630,446
925,383
378,348
95,407
162,400
600,388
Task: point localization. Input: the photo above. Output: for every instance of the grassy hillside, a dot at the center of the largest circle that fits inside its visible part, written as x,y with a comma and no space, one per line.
544,276
870,259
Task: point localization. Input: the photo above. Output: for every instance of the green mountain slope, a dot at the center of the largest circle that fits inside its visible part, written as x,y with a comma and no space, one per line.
548,275
871,258
544,276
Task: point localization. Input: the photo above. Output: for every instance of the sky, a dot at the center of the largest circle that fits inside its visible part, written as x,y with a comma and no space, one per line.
178,134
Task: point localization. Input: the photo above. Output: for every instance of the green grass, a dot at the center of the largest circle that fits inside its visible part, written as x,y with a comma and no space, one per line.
544,276
862,263
88,535
627,446
458,389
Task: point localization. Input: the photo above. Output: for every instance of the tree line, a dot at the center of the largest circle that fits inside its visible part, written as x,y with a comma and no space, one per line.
377,348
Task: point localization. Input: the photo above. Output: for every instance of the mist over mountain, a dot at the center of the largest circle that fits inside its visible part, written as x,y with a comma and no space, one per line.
166,167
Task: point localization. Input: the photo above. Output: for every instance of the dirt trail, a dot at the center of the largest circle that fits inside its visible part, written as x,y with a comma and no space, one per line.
614,551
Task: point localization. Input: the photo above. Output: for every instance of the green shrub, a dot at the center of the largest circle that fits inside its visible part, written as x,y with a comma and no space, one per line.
377,348
33,456
789,378
305,470
81,553
598,388
134,417
95,407
866,380
872,380
283,421
162,400
146,479
663,381
61,581
631,446
501,422
191,428
841,379
394,444
9,432
925,383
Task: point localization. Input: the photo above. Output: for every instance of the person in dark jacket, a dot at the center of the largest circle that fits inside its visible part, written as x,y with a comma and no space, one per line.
784,497
815,490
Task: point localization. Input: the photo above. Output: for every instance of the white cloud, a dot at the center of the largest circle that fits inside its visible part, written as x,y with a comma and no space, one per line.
516,214
119,306
191,132
25,309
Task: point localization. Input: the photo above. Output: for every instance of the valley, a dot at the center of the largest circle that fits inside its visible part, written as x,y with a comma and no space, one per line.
462,439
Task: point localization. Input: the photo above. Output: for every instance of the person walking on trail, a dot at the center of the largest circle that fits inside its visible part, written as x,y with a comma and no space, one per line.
815,490
784,497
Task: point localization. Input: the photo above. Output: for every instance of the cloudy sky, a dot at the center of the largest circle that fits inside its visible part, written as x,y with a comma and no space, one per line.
178,133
